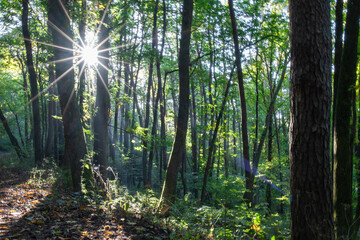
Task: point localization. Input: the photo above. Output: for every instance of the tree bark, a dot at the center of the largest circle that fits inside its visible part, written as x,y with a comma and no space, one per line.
75,146
337,63
343,162
101,138
33,83
158,95
310,99
51,136
169,188
248,196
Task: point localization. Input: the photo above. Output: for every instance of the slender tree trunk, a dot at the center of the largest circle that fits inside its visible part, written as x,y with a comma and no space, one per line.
337,63
169,188
310,98
50,143
343,162
212,142
33,83
194,145
158,95
163,157
147,110
82,31
19,152
248,196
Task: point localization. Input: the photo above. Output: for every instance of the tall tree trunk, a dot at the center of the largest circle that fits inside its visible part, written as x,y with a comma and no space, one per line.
194,145
310,98
248,196
356,225
163,157
101,118
33,83
169,188
343,162
158,95
147,110
51,135
82,32
337,63
116,112
75,146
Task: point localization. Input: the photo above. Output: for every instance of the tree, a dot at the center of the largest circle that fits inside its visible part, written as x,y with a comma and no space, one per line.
169,187
102,98
343,156
33,83
310,99
75,146
19,152
248,174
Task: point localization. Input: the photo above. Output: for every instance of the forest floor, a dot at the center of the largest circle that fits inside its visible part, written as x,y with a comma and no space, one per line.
29,210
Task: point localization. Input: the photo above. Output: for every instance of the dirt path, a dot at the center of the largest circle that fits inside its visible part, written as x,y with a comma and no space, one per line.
31,211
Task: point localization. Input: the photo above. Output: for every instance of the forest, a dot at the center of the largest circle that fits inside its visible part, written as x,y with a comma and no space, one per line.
179,119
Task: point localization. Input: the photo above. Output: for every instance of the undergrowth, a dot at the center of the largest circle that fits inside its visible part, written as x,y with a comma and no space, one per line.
227,217
191,220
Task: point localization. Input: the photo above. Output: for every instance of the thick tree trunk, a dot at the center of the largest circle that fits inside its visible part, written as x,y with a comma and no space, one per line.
101,118
343,157
169,188
33,83
310,98
75,147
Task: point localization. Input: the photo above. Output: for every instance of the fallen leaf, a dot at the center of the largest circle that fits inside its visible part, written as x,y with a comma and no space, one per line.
165,209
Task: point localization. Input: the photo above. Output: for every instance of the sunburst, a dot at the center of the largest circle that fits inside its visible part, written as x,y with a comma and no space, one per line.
90,55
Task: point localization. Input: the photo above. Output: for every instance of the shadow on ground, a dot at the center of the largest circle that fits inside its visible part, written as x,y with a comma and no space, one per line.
28,211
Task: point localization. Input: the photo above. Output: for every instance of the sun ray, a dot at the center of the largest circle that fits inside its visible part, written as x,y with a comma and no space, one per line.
101,22
107,69
49,44
47,88
69,100
64,34
65,59
106,58
63,7
82,69
108,37
103,82
112,48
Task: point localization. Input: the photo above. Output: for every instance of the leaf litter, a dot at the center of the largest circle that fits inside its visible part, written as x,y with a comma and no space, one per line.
33,211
